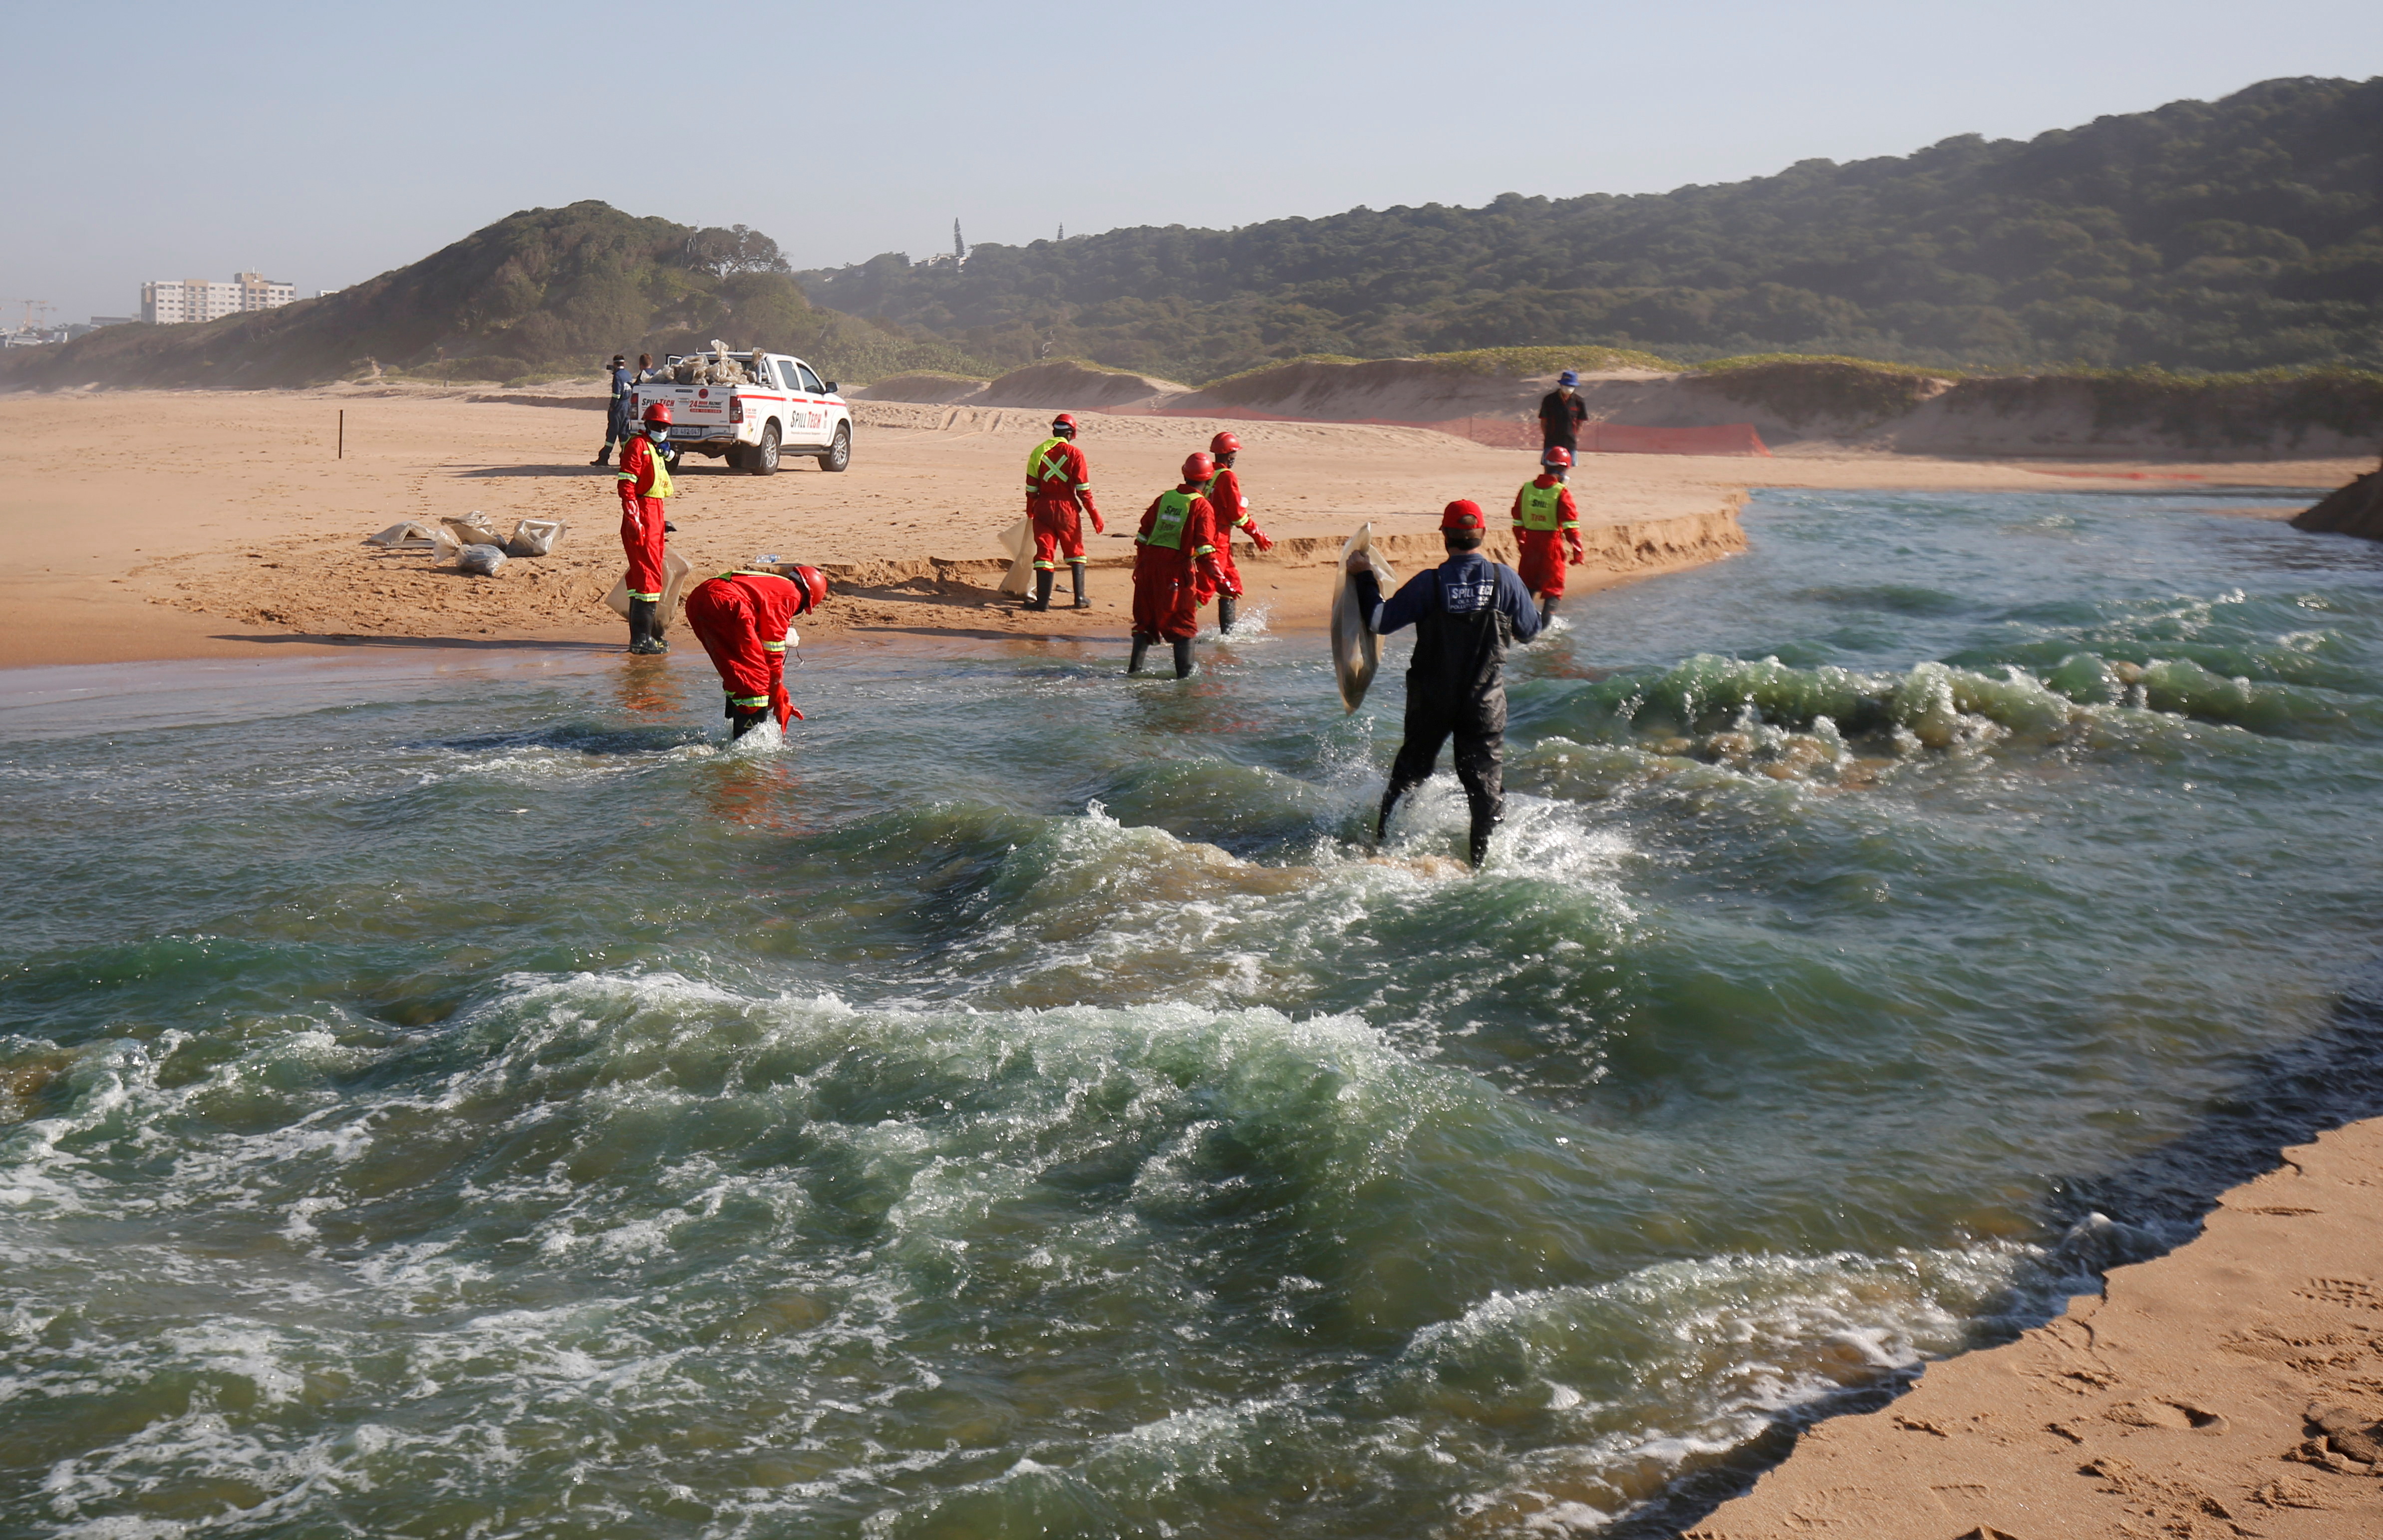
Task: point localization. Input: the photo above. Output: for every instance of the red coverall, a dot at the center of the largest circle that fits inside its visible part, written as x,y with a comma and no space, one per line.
1542,563
1232,511
741,619
1167,580
644,481
1059,481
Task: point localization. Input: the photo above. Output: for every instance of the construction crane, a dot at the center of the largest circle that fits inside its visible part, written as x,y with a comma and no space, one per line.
37,313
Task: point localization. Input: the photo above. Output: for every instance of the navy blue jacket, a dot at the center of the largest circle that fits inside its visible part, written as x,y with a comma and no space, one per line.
1467,611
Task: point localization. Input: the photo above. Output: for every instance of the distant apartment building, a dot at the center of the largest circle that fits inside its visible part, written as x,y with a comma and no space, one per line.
167,301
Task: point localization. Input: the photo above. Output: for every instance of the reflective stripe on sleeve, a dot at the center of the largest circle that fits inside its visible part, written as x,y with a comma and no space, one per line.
774,646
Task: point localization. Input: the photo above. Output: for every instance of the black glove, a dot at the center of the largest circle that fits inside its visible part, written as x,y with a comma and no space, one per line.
1369,595
669,528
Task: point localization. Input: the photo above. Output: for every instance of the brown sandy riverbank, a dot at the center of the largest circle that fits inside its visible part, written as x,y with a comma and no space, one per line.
194,523
2187,1398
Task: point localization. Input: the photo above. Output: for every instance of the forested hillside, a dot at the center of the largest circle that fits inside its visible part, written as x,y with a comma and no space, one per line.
2243,233
539,293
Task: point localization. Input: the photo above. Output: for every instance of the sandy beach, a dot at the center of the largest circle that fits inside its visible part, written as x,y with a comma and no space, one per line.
2230,1387
203,524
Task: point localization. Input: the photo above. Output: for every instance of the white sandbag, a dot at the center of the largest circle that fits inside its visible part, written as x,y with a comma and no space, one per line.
474,529
674,570
412,536
485,560
535,537
1356,652
1020,540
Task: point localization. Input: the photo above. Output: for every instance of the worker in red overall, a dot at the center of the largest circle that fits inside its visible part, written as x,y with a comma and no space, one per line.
1058,482
1174,553
1232,510
743,617
1546,522
645,480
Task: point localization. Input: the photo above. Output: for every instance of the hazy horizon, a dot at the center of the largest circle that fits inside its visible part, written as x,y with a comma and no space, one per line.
301,162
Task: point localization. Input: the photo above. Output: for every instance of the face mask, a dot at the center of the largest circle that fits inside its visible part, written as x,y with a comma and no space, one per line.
657,431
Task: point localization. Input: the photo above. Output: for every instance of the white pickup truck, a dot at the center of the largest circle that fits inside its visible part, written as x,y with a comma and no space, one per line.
751,409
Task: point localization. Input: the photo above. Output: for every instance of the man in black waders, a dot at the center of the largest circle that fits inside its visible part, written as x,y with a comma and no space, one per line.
1467,611
617,425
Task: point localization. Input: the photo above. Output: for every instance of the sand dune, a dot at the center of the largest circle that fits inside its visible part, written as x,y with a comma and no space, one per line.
1796,407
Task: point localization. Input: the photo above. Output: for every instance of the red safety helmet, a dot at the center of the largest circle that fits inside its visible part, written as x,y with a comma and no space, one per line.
1198,467
813,583
1464,513
1224,443
658,413
1064,425
1557,455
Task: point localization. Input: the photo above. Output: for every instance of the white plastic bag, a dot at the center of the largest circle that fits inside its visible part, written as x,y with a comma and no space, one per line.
1019,538
536,537
474,529
674,570
1356,652
485,560
412,536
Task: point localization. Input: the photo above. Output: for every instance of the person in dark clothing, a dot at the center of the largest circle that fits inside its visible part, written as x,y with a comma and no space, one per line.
1466,612
1561,412
617,425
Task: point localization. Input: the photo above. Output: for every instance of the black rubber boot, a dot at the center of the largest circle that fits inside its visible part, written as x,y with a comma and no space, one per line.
1227,607
1141,650
1547,609
603,456
1184,659
645,627
1482,829
741,722
1041,599
1083,601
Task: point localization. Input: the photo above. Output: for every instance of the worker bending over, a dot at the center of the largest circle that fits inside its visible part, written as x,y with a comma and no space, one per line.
1059,483
1232,510
1545,514
645,480
1467,611
1174,556
742,618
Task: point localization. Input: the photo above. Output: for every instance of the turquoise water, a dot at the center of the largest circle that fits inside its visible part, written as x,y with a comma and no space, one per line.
463,1100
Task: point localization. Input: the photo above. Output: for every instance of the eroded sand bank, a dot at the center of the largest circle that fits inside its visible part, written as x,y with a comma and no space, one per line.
192,524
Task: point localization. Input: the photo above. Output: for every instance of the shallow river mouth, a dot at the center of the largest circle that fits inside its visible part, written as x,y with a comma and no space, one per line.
463,1100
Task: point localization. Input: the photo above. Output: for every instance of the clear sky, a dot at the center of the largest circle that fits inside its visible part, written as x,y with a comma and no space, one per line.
325,143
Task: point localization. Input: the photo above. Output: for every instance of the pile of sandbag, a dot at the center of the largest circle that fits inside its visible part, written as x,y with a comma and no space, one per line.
719,369
472,541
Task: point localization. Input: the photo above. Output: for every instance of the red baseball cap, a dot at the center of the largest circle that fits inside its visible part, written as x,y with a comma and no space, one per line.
1464,513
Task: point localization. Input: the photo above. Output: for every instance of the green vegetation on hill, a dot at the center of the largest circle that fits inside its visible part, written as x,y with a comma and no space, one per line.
539,293
2240,234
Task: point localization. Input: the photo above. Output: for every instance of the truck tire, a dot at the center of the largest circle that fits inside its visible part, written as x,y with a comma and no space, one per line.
839,454
761,459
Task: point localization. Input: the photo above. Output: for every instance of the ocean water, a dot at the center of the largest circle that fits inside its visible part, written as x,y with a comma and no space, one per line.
463,1099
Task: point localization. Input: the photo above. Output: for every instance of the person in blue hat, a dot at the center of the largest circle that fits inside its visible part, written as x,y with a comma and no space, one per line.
1561,412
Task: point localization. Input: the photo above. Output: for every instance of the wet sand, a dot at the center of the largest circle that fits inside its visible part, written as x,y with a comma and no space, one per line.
2190,1397
152,524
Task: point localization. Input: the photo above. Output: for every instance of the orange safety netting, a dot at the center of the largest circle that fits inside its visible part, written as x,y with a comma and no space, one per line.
1511,433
